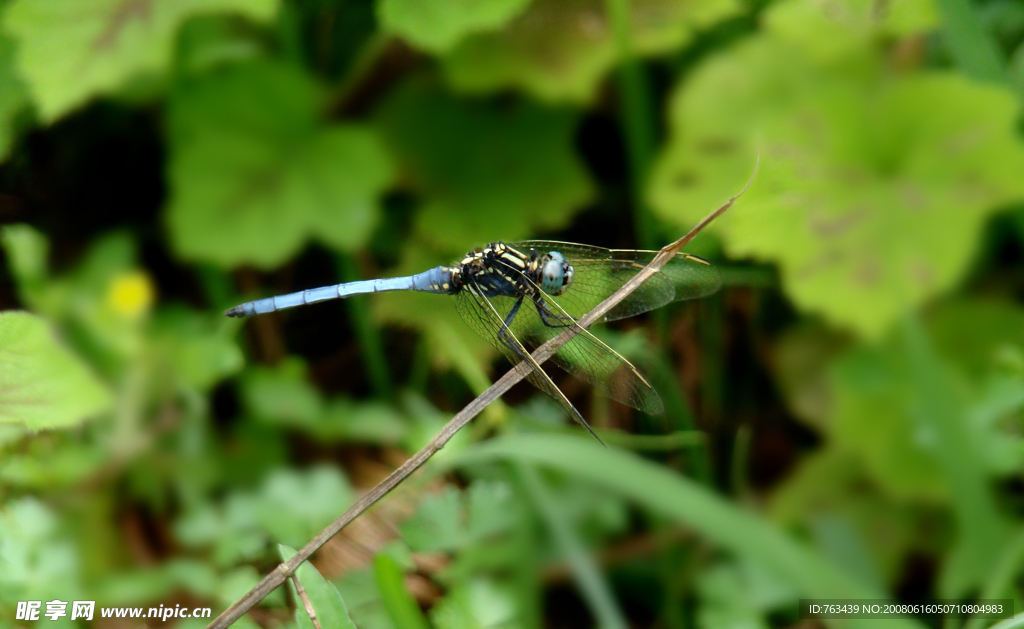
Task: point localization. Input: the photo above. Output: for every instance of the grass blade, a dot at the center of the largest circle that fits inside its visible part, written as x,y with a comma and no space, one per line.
685,501
591,582
400,604
980,529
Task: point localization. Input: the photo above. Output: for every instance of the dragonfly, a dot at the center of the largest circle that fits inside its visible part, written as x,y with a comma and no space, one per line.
519,295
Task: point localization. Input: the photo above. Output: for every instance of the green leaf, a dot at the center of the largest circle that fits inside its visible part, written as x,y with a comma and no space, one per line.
359,589
974,49
675,496
369,422
452,520
211,41
48,468
737,594
10,433
233,531
69,52
281,394
197,346
591,582
236,583
995,413
438,523
143,585
726,602
848,28
36,560
27,251
400,604
877,400
869,197
477,603
829,486
924,420
492,509
484,171
330,608
874,397
290,506
295,506
254,173
559,50
981,533
13,97
974,333
42,384
439,26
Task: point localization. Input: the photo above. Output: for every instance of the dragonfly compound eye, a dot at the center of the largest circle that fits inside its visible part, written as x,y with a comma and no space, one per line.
556,275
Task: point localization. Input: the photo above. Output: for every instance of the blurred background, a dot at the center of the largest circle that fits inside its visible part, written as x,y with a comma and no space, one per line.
843,419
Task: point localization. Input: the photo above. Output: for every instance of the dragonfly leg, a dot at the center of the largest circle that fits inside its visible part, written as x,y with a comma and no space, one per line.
551,319
538,376
505,331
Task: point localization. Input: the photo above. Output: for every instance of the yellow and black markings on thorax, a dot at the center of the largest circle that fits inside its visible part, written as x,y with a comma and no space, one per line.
496,270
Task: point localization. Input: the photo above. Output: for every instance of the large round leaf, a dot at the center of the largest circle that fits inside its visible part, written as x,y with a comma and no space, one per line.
254,173
42,384
559,50
439,26
870,197
71,51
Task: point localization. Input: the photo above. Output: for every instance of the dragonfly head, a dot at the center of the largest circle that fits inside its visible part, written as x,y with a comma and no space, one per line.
556,274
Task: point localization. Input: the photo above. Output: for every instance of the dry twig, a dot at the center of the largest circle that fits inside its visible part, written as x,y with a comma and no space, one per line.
301,591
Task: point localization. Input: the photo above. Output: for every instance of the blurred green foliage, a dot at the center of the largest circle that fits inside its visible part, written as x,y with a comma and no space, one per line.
250,158
844,419
70,52
871,198
558,51
46,386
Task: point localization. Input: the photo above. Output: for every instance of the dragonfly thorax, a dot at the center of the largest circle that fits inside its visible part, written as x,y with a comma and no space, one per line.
501,270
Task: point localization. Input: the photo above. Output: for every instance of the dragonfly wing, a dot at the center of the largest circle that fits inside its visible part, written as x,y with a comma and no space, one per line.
487,318
600,272
584,356
590,359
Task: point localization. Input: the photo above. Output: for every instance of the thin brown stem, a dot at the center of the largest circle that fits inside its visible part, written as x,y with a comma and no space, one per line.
308,604
278,576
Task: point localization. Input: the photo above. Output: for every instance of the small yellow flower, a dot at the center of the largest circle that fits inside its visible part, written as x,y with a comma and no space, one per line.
130,294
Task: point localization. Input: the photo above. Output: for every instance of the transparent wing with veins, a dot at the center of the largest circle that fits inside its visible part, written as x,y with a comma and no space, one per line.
541,318
481,314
